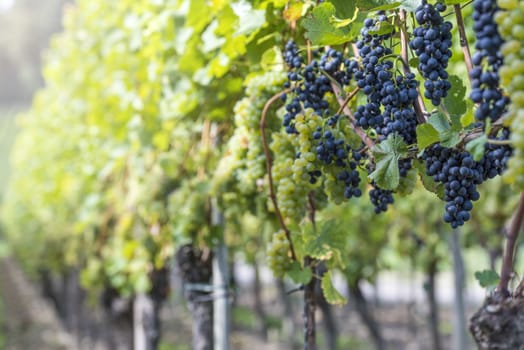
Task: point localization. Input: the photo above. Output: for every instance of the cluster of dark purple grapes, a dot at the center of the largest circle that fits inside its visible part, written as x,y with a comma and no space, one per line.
380,198
336,151
432,43
496,157
486,91
390,99
375,71
309,84
460,174
330,149
351,180
331,63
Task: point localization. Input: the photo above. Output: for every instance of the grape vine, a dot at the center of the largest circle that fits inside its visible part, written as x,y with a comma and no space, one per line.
278,115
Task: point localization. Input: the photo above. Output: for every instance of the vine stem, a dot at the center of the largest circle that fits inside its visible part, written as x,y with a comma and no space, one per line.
512,236
499,142
348,98
343,106
463,38
267,154
310,308
309,52
420,109
495,127
310,303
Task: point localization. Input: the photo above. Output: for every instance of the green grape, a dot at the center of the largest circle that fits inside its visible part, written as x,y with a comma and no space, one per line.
305,124
291,190
187,208
243,165
511,24
278,254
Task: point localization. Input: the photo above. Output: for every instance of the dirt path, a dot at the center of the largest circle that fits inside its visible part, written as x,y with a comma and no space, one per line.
29,323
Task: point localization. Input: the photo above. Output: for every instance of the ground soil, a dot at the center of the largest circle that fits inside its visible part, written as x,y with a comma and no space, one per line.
29,323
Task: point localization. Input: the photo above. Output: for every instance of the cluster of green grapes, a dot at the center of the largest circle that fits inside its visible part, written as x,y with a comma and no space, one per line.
511,27
291,190
305,165
278,254
187,207
244,163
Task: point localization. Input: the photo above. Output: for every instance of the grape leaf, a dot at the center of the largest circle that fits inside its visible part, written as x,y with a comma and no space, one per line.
455,2
344,8
426,135
387,154
476,147
487,279
410,5
326,244
382,29
299,274
377,5
427,181
448,137
454,101
387,174
439,122
413,62
407,183
320,29
294,11
330,293
468,118
249,18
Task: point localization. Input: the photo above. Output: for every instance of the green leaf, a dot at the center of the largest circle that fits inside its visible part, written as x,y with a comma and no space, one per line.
410,5
407,183
426,135
468,118
294,11
330,293
454,101
271,58
327,243
387,154
476,147
299,274
249,18
344,8
487,279
427,181
320,28
439,122
382,28
413,62
448,137
339,23
377,5
455,2
387,174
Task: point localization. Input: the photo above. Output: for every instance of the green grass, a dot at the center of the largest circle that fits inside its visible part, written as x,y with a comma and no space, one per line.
244,317
166,346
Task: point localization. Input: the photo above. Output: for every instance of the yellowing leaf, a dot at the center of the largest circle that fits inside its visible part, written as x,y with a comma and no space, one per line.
293,12
330,293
